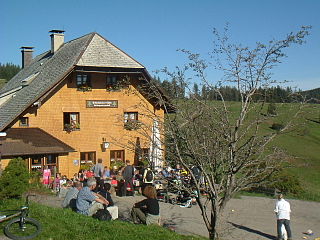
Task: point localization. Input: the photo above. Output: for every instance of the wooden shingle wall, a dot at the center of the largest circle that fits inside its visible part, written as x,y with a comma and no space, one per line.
96,124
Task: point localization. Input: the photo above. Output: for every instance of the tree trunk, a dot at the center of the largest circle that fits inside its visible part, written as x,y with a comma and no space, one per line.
212,235
213,231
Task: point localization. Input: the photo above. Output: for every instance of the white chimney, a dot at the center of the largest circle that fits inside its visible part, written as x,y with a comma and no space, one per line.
57,40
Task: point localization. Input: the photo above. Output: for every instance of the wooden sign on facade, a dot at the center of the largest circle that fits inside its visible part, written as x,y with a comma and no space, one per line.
102,103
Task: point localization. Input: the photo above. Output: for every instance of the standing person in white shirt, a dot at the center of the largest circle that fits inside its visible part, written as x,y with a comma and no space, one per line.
283,211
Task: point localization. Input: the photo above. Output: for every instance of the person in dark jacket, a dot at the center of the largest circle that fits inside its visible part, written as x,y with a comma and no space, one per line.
128,174
147,210
105,192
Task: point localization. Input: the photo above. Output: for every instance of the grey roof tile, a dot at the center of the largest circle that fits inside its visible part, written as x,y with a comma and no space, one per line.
89,50
102,53
51,68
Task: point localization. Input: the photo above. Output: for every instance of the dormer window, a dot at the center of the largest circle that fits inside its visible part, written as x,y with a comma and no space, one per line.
28,80
84,82
24,122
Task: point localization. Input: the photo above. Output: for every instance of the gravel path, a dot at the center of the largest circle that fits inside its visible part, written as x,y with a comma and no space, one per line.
248,218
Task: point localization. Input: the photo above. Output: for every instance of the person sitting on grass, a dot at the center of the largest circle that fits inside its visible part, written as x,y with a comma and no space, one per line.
147,210
64,188
71,196
105,192
88,202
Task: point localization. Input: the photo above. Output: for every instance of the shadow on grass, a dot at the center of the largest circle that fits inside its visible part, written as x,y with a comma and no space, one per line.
268,236
312,120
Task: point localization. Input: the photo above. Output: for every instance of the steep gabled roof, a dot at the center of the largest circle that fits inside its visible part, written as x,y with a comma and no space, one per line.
47,70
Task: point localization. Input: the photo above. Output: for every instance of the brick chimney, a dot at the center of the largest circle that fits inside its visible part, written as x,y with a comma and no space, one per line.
57,40
26,55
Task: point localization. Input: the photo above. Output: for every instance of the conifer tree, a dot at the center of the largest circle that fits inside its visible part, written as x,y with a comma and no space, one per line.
14,180
8,71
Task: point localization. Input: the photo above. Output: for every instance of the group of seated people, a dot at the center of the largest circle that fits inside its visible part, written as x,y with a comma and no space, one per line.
88,199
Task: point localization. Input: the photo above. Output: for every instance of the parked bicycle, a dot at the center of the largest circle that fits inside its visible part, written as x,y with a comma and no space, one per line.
20,226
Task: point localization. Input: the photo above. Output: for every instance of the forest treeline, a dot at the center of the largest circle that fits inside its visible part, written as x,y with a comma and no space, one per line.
276,94
176,90
8,70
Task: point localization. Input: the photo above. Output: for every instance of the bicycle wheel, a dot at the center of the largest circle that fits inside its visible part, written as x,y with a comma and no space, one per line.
27,230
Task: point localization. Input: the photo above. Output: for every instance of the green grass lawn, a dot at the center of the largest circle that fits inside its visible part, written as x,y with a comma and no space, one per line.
301,143
2,83
62,224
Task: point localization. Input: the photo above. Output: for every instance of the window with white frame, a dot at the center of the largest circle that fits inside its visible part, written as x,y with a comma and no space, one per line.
131,121
71,121
130,116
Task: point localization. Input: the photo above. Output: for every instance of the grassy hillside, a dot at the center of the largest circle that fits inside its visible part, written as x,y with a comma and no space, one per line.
313,93
2,82
60,224
301,143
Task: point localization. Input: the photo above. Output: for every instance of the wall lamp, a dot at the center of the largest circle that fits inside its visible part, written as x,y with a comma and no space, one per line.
105,144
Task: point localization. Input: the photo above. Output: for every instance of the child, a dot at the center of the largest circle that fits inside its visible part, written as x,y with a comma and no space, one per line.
63,180
105,192
57,182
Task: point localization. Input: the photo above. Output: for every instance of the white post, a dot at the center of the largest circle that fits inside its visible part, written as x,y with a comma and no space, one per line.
2,134
155,147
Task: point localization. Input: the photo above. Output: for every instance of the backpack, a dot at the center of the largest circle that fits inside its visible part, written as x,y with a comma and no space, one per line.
149,176
102,215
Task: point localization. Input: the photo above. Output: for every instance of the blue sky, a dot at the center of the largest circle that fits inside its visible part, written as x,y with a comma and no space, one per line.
151,31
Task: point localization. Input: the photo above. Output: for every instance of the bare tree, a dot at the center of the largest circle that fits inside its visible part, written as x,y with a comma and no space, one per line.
228,141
